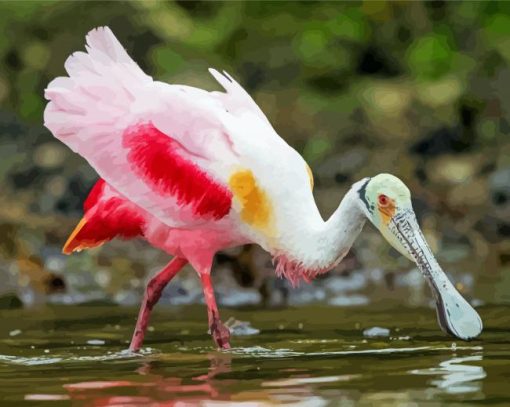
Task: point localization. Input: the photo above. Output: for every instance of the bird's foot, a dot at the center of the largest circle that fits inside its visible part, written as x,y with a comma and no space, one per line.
137,340
220,334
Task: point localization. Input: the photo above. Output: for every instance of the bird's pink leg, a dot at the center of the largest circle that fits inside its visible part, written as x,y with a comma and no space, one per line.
219,332
151,297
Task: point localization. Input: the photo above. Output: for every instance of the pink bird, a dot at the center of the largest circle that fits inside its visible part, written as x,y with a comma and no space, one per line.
194,172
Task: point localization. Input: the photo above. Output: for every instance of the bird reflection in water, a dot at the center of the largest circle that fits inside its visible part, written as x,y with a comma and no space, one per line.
155,389
456,376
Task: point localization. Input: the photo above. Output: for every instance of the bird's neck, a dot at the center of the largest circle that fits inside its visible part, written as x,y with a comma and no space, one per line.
318,246
343,227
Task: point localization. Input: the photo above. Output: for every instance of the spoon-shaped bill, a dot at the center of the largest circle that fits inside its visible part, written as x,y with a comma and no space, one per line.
455,315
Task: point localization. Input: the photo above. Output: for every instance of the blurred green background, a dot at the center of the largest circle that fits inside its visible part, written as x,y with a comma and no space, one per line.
417,89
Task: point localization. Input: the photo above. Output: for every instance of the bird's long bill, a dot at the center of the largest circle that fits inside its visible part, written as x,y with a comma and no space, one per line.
455,315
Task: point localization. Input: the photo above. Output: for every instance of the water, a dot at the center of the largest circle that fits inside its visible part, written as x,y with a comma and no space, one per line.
311,356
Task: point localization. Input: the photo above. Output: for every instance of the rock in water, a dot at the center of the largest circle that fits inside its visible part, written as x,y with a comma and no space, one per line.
376,331
240,328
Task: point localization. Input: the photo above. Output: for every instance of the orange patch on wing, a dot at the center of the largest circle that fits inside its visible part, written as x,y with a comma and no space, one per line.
388,211
256,205
74,243
310,175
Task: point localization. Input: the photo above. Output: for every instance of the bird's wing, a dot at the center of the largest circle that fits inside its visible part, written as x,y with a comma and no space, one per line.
159,145
185,155
235,99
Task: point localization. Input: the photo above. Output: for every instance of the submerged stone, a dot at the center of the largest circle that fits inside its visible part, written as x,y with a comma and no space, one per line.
376,331
241,328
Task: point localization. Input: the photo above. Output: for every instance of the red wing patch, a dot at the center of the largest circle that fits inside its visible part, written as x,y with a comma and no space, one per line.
105,219
155,158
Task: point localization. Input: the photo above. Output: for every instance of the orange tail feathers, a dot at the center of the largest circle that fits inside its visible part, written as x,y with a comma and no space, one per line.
78,240
107,215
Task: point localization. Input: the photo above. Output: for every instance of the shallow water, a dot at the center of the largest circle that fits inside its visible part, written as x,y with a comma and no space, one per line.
310,356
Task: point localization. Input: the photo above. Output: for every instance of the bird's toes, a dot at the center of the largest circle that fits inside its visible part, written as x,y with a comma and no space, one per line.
221,335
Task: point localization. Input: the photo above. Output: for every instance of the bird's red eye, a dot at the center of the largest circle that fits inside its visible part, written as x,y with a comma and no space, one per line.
383,200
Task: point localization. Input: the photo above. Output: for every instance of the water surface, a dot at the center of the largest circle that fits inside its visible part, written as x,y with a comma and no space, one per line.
314,356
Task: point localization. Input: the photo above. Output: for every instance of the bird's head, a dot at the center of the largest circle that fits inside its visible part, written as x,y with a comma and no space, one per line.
386,201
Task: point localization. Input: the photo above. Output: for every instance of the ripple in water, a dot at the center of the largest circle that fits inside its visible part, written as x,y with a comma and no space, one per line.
48,360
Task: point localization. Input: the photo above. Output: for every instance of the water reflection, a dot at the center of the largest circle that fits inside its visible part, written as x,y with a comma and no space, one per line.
152,386
204,377
455,376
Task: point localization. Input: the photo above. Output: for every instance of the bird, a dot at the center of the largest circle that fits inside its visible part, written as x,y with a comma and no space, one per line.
194,172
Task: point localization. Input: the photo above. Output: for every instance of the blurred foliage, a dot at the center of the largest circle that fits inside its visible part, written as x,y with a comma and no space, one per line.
418,89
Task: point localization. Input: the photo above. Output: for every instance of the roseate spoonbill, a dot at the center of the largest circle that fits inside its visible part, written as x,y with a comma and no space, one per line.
194,172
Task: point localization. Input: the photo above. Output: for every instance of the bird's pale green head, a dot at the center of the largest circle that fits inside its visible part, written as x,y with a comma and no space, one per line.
386,198
386,201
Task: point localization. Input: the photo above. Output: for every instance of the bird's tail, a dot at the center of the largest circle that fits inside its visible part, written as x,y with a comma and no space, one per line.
107,215
101,86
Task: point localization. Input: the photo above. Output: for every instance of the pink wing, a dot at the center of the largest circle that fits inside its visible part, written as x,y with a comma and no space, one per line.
160,145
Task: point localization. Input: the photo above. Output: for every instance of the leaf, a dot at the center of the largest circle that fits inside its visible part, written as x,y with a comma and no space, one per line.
430,57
